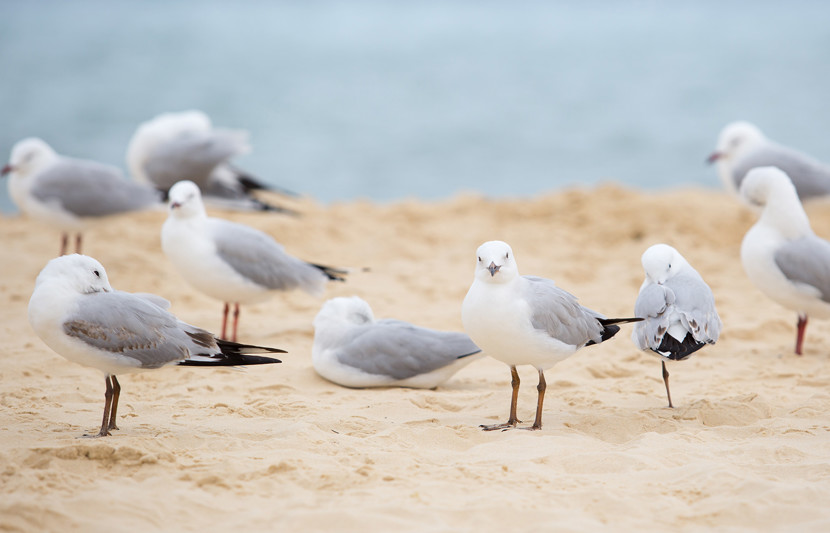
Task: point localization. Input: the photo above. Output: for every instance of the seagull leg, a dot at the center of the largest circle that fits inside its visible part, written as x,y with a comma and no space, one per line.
77,243
540,388
799,339
116,392
107,403
513,420
666,381
235,320
225,321
64,243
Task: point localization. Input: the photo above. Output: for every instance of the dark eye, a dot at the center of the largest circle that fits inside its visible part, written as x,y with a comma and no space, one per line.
97,274
507,255
479,260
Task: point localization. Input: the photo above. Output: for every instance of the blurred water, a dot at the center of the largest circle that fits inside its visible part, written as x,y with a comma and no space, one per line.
387,100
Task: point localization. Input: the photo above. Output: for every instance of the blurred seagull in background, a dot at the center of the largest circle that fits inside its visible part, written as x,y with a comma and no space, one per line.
70,194
78,314
353,349
173,147
742,147
232,262
678,308
781,254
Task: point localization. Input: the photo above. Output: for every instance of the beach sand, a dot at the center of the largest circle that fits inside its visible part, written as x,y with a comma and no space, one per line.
277,448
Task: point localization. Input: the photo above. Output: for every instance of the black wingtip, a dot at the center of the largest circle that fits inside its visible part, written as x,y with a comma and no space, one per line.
334,274
675,350
610,327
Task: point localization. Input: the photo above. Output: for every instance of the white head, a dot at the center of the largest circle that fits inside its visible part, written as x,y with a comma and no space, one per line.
736,139
352,311
661,262
185,200
495,263
770,189
28,156
76,273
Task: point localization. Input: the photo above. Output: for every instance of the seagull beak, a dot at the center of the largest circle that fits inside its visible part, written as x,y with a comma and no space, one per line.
6,169
493,269
714,156
175,205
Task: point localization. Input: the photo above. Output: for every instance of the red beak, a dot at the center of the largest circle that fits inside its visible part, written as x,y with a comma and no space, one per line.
175,205
714,156
6,169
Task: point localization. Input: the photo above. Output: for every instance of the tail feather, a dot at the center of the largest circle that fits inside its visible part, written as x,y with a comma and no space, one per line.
234,354
610,327
252,183
334,274
675,350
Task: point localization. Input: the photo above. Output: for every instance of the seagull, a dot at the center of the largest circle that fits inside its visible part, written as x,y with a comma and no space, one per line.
678,308
742,147
185,146
781,254
78,314
232,262
526,320
353,349
69,193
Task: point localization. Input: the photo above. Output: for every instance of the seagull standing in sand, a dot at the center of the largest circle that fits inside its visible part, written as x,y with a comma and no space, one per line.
678,308
69,193
526,320
185,146
781,254
742,147
353,349
232,262
78,314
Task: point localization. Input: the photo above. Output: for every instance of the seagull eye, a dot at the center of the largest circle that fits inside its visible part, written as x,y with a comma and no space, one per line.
97,274
479,260
507,255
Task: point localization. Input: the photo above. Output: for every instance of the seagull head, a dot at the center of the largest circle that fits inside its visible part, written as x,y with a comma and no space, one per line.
78,273
28,156
351,310
735,139
185,200
763,184
495,263
661,262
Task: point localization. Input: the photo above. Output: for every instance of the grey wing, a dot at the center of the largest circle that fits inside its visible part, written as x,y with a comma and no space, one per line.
652,304
127,325
260,259
191,156
401,350
695,304
92,189
558,313
807,260
809,176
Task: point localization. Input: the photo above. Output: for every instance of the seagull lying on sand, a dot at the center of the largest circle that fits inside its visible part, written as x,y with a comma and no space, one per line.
232,262
781,254
678,308
185,146
742,147
526,320
69,193
78,314
353,349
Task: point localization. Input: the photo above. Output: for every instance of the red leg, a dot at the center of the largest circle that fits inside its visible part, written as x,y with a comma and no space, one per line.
235,320
225,321
799,339
64,243
78,243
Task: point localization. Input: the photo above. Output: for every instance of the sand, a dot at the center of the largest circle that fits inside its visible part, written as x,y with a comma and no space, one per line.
278,448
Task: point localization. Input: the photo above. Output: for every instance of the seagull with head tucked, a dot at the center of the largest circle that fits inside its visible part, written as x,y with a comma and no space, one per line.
678,308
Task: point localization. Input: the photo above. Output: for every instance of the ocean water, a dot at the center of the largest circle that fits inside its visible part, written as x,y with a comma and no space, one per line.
390,99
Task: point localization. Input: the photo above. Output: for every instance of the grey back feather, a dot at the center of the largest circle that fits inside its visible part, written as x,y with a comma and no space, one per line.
809,176
131,326
401,350
257,257
191,156
92,189
807,260
559,314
